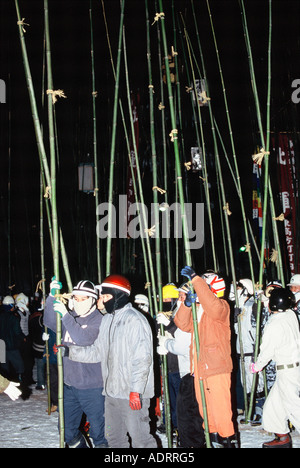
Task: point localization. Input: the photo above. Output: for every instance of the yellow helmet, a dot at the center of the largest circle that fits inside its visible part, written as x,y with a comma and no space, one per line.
170,291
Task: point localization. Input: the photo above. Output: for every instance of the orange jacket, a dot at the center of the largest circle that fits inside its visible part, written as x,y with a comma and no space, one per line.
213,329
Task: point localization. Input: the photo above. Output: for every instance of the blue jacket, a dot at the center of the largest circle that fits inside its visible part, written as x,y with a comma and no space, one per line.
80,331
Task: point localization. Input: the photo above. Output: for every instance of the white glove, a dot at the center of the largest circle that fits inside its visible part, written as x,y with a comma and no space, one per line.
161,348
45,336
60,308
162,319
12,391
54,286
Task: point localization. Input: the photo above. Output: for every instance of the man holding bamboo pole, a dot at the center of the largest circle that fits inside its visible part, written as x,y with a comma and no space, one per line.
214,365
83,383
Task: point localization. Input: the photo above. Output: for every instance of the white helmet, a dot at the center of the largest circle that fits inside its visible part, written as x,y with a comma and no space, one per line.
22,302
216,283
295,280
86,288
8,300
247,284
142,302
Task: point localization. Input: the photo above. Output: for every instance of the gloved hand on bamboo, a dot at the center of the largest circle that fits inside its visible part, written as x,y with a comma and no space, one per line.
59,308
161,348
54,286
135,401
64,350
188,272
162,319
190,299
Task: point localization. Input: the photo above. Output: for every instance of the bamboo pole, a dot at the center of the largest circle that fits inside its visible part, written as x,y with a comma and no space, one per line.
94,96
265,203
174,139
157,235
113,142
164,148
262,138
54,217
240,193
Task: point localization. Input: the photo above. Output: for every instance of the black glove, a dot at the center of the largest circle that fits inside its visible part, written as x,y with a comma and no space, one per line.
64,350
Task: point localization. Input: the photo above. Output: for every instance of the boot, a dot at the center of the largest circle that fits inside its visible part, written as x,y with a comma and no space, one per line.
280,441
78,442
230,442
216,440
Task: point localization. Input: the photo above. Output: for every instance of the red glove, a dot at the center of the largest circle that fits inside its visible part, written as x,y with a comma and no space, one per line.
135,401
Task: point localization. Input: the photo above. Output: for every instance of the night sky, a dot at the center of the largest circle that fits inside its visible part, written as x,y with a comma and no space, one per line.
71,66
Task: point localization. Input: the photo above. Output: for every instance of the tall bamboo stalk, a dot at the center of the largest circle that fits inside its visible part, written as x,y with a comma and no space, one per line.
113,142
262,138
94,96
54,216
157,235
182,204
265,203
240,192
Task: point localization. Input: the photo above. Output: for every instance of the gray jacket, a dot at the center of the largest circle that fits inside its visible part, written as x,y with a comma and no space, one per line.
124,347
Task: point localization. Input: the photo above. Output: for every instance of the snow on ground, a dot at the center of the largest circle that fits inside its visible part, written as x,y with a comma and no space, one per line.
26,424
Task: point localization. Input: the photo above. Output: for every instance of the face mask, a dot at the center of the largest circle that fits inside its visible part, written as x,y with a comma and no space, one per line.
84,307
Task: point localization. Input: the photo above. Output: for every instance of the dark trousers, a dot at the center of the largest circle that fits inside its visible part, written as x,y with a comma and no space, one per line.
190,422
90,402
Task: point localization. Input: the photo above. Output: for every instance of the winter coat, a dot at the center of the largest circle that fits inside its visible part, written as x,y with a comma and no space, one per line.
36,329
10,330
4,383
81,331
280,341
124,347
180,346
213,329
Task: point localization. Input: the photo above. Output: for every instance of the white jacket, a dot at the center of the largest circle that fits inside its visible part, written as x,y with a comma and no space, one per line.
281,340
125,349
180,345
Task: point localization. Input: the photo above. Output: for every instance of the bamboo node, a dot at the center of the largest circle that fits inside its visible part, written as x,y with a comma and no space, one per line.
147,285
257,158
23,24
150,231
173,51
279,218
47,193
204,97
258,286
161,106
274,256
151,87
157,17
11,287
160,190
95,190
95,94
188,89
188,165
226,208
247,247
59,92
173,134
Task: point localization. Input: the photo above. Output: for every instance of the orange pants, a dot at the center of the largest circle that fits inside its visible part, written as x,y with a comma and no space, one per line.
218,403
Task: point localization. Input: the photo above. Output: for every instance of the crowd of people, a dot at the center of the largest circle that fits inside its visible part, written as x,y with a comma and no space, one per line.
113,351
